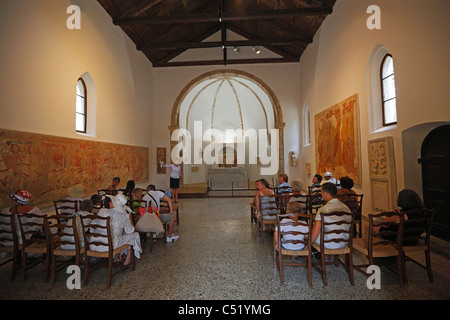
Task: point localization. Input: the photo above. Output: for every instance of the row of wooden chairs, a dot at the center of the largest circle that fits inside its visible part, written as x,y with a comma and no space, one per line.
45,236
389,242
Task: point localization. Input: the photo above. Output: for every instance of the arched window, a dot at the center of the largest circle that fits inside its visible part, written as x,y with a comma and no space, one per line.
389,100
81,107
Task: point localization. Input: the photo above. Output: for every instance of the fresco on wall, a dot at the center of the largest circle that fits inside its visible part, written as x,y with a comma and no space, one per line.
49,166
337,144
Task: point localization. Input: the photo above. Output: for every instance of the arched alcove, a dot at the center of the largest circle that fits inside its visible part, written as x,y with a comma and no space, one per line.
225,96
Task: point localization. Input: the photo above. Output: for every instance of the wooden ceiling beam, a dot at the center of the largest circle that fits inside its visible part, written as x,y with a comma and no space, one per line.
227,43
224,16
220,62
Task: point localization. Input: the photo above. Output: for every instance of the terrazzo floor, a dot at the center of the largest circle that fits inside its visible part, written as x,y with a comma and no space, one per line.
219,256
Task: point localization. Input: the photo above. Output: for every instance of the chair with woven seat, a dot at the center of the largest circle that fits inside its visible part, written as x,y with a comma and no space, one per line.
34,230
336,231
99,236
416,238
65,242
279,251
269,207
386,243
66,206
354,202
9,243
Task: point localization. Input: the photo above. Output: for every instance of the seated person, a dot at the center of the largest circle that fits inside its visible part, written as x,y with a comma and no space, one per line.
97,203
129,188
123,231
264,208
294,209
153,197
346,191
329,194
407,201
112,189
19,201
316,184
283,186
329,178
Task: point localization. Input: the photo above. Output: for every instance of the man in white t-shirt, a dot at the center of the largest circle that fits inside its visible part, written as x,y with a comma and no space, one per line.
153,198
329,178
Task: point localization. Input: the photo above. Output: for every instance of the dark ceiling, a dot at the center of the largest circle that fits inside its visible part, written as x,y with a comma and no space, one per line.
166,30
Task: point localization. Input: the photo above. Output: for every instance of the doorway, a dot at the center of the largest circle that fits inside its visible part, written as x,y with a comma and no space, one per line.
435,162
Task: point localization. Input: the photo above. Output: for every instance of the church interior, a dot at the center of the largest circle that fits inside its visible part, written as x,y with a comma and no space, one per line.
302,81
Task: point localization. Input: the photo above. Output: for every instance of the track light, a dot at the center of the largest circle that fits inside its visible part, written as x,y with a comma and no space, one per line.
236,49
257,51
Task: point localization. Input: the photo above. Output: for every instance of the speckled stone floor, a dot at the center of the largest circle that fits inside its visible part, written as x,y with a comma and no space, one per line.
219,256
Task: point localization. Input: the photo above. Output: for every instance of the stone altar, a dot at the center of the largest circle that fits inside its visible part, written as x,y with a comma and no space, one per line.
227,178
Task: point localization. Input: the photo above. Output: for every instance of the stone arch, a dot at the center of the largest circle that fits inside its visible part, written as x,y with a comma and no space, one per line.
278,114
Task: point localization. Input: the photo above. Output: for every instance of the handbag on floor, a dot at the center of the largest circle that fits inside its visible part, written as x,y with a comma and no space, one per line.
149,222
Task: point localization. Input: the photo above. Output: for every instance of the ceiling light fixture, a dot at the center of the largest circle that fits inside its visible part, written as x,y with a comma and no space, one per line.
236,49
257,51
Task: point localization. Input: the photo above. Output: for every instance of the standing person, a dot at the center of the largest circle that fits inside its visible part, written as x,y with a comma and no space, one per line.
154,197
175,175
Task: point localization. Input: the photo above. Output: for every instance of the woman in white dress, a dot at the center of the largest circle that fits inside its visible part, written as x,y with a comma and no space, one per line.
123,231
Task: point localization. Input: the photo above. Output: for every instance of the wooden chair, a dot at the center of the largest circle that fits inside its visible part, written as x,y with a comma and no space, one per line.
101,235
387,243
34,230
253,213
354,202
314,202
284,193
418,229
269,206
280,252
303,199
9,242
104,192
65,206
135,205
64,242
336,225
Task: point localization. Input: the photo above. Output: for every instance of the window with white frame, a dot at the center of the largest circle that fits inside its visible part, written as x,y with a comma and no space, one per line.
81,107
389,101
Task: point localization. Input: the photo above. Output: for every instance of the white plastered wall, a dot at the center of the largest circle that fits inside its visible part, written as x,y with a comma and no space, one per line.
335,66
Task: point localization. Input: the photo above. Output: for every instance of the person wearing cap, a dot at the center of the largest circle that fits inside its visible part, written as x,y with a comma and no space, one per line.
20,205
175,175
123,231
329,178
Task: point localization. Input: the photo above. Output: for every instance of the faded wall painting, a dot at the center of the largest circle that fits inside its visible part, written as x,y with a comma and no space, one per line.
337,142
48,166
